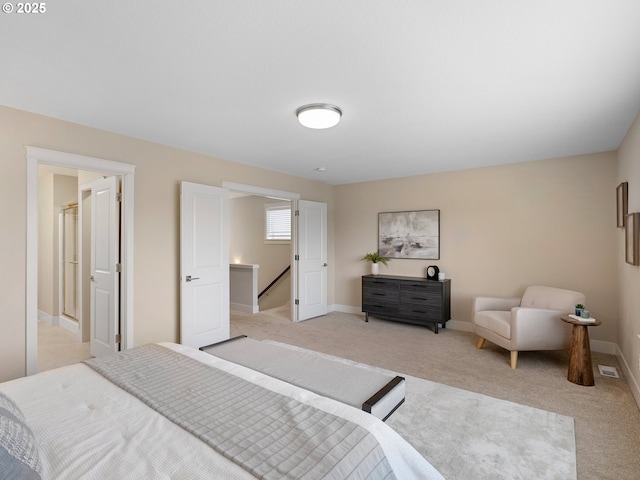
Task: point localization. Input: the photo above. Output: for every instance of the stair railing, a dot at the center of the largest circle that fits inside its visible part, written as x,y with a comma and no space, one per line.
275,281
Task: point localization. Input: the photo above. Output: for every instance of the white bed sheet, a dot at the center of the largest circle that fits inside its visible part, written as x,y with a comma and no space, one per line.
87,427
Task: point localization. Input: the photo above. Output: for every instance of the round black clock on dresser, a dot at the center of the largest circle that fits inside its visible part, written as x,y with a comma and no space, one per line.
432,272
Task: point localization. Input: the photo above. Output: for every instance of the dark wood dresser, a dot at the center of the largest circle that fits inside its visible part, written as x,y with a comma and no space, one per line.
407,299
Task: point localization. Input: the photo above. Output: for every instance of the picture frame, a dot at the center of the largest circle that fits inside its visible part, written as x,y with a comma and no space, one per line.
622,205
411,234
632,227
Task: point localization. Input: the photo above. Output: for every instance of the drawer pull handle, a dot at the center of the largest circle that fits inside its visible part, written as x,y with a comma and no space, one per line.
419,298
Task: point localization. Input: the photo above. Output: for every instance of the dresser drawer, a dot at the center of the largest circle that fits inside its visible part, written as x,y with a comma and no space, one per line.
374,295
379,290
380,283
418,312
426,295
381,308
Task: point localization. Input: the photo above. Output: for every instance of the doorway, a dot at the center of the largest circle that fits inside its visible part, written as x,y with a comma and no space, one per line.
260,253
59,336
35,158
308,254
275,195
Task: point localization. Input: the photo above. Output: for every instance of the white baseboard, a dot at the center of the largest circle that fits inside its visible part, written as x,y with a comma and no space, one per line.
631,379
45,317
58,321
344,309
241,307
68,324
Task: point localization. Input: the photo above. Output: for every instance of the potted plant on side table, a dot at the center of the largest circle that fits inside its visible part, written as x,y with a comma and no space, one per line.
375,258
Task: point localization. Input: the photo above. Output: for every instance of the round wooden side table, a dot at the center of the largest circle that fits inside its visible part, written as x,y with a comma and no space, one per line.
580,369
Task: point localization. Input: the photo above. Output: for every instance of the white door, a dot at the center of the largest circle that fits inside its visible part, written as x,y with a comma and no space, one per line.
204,264
105,266
312,259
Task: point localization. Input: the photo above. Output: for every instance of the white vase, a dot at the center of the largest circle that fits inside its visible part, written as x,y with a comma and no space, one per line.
375,269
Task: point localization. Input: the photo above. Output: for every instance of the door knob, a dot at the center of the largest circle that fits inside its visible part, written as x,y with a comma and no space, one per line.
190,278
325,264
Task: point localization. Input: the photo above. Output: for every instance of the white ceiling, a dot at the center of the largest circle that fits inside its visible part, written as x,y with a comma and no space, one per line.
425,85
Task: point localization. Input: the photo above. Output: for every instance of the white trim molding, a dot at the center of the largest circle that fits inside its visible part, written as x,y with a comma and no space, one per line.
628,375
45,317
68,324
35,157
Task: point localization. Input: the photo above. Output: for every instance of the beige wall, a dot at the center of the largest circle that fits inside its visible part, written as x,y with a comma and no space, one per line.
247,245
159,172
502,228
628,338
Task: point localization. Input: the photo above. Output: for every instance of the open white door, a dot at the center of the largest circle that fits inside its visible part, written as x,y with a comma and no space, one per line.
204,264
105,266
311,261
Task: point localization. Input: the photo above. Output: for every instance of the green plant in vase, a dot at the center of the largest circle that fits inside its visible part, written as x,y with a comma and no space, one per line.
375,258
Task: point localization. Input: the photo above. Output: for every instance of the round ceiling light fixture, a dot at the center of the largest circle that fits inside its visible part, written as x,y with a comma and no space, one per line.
319,115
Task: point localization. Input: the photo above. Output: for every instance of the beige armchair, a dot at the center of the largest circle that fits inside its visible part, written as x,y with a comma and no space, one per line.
528,323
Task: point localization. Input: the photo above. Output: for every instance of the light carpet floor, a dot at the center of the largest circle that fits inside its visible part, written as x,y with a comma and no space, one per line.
606,417
467,435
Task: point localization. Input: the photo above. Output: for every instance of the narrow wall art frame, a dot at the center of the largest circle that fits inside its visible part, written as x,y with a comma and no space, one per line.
411,234
632,242
622,205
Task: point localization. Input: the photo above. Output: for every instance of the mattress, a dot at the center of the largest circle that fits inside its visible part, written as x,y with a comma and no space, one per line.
86,427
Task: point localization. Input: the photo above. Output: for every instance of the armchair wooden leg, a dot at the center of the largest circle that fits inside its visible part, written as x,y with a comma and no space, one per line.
480,343
514,359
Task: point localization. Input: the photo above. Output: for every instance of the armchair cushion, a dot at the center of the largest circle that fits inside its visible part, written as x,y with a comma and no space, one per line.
539,329
496,321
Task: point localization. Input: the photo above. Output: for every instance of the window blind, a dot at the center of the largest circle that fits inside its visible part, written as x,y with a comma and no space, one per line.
278,222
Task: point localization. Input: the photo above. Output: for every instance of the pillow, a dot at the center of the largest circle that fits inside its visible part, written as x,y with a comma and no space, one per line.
19,458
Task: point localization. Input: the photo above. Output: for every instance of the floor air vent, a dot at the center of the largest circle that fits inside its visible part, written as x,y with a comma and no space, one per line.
608,371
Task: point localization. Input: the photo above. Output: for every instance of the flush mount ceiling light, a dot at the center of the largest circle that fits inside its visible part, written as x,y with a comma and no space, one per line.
319,115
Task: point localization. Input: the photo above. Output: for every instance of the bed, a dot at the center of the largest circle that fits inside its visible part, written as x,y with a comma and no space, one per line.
168,411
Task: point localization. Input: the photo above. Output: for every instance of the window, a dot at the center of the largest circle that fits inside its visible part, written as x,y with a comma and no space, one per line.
277,223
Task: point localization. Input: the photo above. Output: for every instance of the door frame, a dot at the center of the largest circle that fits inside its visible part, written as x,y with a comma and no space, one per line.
279,194
35,157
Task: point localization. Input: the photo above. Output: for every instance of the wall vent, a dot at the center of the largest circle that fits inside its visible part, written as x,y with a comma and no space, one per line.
608,371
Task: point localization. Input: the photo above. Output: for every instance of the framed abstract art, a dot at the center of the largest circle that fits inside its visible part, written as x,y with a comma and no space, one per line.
413,234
